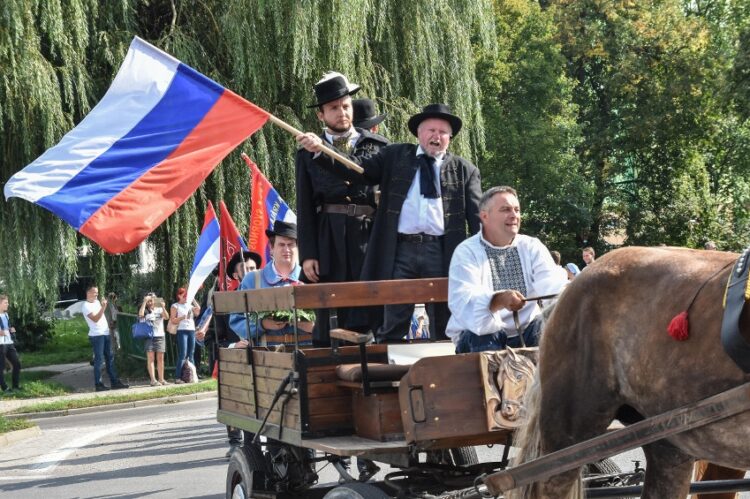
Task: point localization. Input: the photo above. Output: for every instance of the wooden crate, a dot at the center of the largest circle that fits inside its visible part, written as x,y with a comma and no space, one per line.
442,403
319,408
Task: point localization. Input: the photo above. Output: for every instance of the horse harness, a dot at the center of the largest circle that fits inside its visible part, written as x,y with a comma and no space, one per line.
735,297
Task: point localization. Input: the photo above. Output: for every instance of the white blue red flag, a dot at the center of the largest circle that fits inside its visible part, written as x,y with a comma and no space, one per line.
155,136
207,253
266,206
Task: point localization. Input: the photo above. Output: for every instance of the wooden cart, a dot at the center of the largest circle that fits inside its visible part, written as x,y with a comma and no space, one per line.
316,405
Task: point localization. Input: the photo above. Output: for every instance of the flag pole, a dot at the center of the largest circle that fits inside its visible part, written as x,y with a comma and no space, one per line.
325,149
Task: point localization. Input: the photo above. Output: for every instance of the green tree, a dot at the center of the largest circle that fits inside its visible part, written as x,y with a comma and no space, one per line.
531,125
57,58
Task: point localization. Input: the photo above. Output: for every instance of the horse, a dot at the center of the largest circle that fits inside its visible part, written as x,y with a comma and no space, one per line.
605,354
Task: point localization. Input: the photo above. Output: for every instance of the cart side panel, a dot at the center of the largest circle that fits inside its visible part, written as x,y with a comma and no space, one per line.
329,406
442,402
236,384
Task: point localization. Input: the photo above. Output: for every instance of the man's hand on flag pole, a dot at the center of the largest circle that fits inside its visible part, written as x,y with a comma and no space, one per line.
310,142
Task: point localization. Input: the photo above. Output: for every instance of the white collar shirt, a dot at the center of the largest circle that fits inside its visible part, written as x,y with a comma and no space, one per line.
420,215
470,287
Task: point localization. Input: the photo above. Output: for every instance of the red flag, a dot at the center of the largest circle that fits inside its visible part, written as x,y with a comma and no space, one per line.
231,243
265,207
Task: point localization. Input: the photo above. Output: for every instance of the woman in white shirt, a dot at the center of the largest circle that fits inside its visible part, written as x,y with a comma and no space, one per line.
152,311
183,315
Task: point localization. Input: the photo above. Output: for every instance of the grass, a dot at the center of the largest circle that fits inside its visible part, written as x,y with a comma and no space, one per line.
8,425
122,397
69,344
35,384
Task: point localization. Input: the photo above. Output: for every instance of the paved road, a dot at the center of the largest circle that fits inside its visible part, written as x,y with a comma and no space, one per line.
162,451
165,451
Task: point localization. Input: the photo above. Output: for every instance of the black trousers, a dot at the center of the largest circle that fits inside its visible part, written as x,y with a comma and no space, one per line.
9,352
413,261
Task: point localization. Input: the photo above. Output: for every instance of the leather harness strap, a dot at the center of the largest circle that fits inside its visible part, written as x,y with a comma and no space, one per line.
737,293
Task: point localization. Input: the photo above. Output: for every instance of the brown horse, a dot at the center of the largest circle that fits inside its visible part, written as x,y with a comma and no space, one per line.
606,354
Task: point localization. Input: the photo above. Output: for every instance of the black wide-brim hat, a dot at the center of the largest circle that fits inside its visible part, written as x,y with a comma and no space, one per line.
281,228
441,111
331,87
364,113
242,256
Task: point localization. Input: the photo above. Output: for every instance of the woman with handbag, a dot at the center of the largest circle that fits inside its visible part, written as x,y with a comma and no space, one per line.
152,311
183,315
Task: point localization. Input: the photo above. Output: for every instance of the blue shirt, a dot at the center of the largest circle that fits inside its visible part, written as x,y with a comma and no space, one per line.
269,278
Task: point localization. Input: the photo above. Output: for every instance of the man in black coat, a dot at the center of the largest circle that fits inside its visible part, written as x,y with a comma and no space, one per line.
428,198
334,216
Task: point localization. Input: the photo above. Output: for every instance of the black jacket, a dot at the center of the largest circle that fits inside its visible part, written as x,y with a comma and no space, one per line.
336,240
394,168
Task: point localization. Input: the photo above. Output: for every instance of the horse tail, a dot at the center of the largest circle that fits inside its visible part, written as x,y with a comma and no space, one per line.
528,440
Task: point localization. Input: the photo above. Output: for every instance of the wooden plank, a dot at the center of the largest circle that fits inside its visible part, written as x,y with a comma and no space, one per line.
332,423
317,353
283,360
688,417
271,372
292,405
330,405
236,394
290,420
237,380
234,367
365,293
238,355
254,300
350,336
327,376
354,446
322,390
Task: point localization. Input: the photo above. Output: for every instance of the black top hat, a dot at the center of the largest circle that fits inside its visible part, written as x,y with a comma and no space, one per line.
442,111
242,256
364,113
331,87
281,228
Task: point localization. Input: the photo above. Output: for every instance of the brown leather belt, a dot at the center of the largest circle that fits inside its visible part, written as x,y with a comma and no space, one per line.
417,238
351,210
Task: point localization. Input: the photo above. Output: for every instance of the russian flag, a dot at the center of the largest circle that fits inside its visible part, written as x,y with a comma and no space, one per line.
155,136
206,254
266,207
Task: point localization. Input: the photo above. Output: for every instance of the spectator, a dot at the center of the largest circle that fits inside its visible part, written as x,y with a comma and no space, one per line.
152,311
182,314
93,312
588,255
110,313
710,245
557,258
7,348
572,270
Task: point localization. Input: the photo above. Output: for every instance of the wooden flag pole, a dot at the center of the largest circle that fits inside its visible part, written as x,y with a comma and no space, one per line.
325,149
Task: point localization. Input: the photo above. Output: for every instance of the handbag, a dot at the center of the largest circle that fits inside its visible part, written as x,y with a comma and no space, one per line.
171,328
143,330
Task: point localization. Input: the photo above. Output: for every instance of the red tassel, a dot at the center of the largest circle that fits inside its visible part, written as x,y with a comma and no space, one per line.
215,374
678,327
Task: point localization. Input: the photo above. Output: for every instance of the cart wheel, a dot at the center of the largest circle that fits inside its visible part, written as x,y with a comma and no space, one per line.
356,491
246,468
603,467
464,456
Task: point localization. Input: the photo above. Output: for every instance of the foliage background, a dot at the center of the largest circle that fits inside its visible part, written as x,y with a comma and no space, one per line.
619,121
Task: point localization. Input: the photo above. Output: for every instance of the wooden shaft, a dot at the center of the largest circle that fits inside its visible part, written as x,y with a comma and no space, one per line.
325,149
